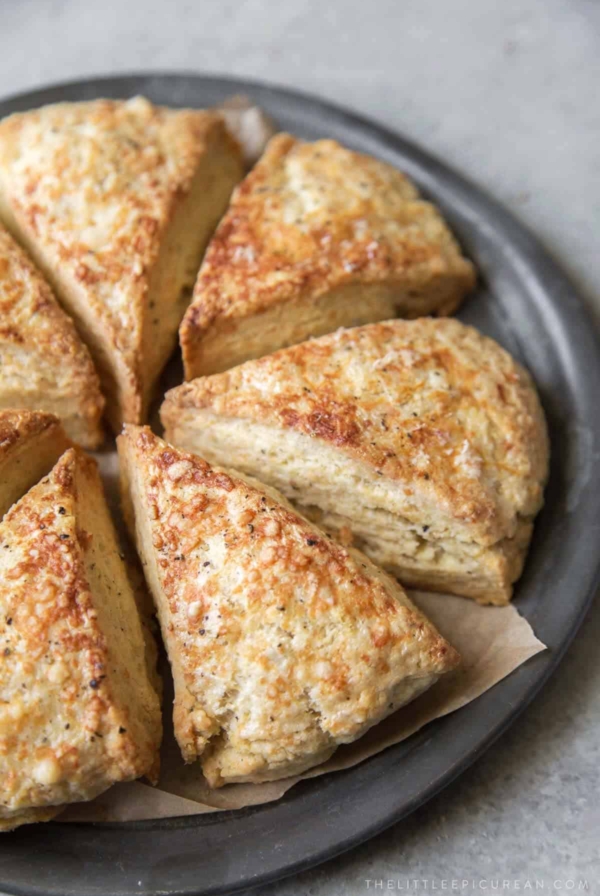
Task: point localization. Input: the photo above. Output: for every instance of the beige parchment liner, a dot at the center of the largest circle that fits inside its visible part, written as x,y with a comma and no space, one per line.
493,641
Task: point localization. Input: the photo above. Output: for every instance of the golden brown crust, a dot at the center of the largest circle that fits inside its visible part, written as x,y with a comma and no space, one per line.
435,430
92,189
314,220
430,404
67,728
30,444
19,426
44,364
283,643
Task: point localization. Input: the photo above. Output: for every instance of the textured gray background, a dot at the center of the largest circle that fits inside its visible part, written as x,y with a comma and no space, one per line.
508,92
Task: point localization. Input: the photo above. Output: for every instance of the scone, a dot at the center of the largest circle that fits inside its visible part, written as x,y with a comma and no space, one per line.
44,365
283,644
424,439
30,444
317,237
77,709
116,200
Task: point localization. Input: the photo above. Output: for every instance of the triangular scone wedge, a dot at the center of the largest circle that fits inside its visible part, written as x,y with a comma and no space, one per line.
423,438
116,200
77,709
30,444
44,365
317,237
29,816
283,644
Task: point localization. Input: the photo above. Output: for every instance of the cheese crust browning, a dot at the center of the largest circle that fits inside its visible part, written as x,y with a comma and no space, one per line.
317,237
44,365
424,438
283,644
77,710
30,444
116,200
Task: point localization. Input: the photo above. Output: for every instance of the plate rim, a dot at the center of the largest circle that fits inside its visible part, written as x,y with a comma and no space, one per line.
426,169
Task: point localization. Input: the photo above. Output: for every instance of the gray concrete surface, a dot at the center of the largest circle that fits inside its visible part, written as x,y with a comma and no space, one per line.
506,91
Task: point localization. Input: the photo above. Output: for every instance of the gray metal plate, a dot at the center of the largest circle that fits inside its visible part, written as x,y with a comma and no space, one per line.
526,303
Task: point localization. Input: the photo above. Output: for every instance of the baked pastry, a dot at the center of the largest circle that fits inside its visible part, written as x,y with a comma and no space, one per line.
77,709
424,439
44,365
283,644
30,444
317,237
116,200
29,816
